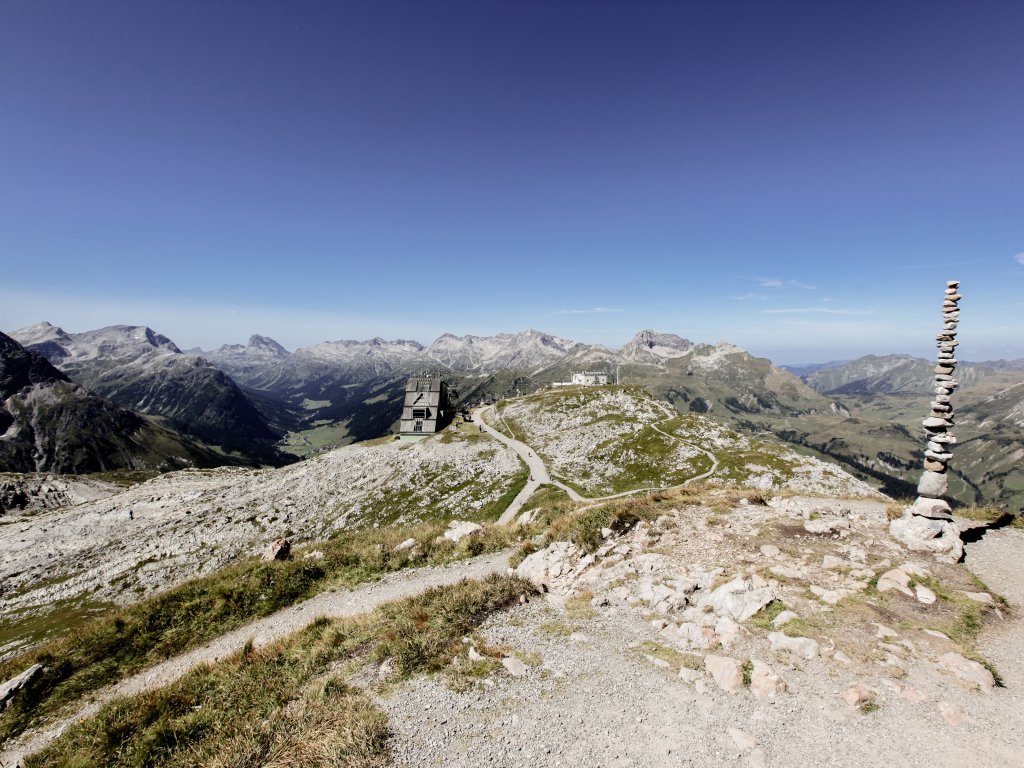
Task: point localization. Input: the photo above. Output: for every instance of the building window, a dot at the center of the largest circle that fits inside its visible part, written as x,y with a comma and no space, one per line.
423,385
417,427
419,413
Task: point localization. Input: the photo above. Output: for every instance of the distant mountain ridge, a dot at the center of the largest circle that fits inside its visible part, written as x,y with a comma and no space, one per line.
890,374
50,424
140,369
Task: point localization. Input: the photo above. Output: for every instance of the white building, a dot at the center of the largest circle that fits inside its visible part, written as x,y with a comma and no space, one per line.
589,378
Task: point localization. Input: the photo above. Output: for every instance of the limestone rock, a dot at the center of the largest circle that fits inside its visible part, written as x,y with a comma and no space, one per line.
897,579
784,618
933,484
542,568
727,672
827,525
801,646
765,683
970,672
858,695
770,550
924,595
738,599
937,509
278,550
407,544
513,666
460,529
9,689
922,534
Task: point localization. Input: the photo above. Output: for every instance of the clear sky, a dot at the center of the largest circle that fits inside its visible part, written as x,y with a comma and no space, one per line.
799,178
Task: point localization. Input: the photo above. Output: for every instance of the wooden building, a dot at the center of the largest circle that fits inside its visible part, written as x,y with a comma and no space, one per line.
426,409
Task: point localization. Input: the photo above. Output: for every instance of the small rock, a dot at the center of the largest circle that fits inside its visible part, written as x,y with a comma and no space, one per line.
314,554
784,618
858,695
885,632
770,550
656,661
514,666
407,544
842,658
827,525
689,675
460,529
786,573
897,579
831,562
924,595
15,684
726,671
764,682
909,693
979,597
801,646
278,550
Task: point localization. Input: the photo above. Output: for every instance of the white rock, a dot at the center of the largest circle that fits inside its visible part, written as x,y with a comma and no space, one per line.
765,683
784,618
979,597
968,671
460,529
924,595
738,599
858,695
801,646
770,550
727,672
897,579
407,544
514,666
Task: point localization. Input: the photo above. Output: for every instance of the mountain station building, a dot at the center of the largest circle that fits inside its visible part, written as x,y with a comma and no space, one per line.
426,409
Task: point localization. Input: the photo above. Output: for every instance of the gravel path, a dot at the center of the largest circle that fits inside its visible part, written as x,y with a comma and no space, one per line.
334,604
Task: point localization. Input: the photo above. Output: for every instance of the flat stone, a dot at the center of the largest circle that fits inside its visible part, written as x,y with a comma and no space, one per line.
932,465
407,544
726,672
514,666
801,646
770,550
784,618
885,632
935,423
738,599
924,595
978,597
831,562
11,687
460,529
827,525
967,670
943,456
945,369
936,509
897,579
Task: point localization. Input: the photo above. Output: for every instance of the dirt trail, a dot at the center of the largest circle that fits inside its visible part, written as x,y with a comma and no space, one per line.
539,474
339,604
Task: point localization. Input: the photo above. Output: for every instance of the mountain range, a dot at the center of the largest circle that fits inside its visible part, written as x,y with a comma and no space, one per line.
864,413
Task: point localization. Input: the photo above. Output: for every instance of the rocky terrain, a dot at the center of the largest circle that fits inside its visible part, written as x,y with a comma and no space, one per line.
725,633
188,523
612,439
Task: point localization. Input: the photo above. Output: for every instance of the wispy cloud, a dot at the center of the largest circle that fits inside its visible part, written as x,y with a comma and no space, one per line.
1020,258
774,282
814,310
591,311
748,296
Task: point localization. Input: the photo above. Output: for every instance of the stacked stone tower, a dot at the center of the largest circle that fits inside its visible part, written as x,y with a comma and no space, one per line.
927,523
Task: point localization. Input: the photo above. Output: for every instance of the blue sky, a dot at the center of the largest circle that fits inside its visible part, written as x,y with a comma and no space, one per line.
799,178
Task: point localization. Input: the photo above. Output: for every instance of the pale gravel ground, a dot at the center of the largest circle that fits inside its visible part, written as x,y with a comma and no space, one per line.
335,604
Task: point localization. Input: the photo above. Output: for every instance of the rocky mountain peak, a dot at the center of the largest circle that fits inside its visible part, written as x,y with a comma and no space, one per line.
267,345
651,346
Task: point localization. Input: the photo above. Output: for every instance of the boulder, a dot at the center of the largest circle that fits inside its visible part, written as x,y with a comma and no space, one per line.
784,618
738,599
827,525
897,579
9,689
460,529
278,550
407,544
542,568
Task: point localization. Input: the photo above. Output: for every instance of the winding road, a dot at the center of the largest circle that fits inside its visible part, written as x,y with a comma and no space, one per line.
539,474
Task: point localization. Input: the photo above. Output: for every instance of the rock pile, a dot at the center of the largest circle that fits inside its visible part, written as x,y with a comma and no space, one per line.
927,524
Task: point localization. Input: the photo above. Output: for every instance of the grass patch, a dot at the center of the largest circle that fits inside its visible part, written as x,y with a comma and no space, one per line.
283,705
764,618
578,607
676,659
124,641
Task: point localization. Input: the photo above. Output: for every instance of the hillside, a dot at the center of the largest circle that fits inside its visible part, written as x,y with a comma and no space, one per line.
50,424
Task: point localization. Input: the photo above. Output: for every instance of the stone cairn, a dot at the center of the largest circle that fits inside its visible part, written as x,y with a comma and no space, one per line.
927,524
